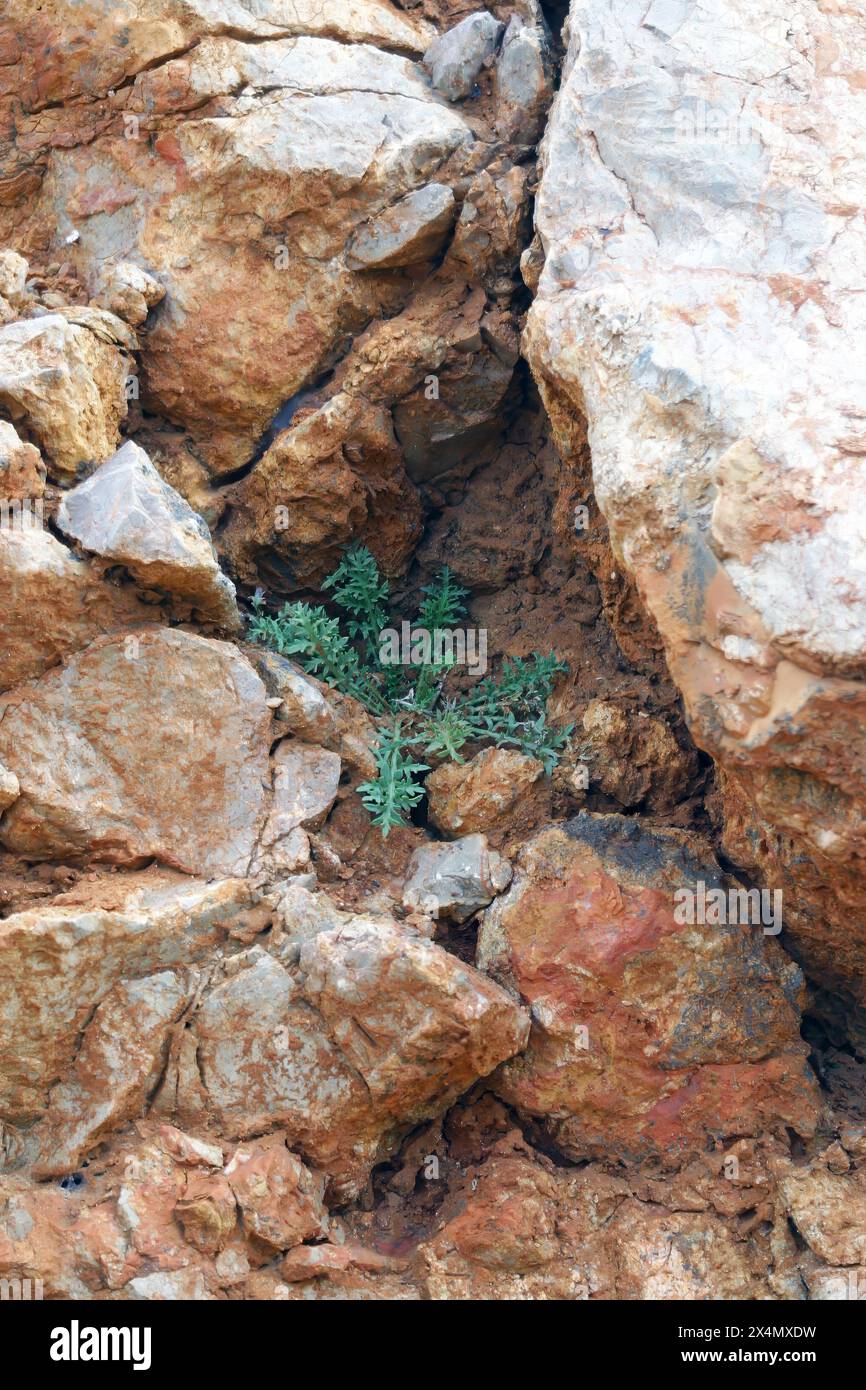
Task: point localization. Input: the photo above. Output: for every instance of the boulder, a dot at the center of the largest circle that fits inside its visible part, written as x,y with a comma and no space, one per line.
149,745
128,291
195,141
454,60
374,1030
455,880
60,962
53,603
22,472
115,1070
648,1035
413,230
280,1200
465,798
67,386
696,309
127,515
524,80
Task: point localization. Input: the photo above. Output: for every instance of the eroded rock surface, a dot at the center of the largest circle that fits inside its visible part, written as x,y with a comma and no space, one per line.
648,1035
264,283
697,306
150,745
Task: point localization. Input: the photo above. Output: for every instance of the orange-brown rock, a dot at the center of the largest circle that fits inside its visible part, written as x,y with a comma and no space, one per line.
466,798
648,1035
152,745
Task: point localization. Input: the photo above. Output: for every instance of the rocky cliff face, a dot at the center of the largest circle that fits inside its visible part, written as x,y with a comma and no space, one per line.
571,309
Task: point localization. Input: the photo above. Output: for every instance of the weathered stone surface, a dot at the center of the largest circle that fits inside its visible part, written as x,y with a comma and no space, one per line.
647,1035
134,35
375,1030
13,276
53,603
334,475
67,386
129,291
413,230
324,134
454,59
524,80
524,1229
153,745
279,1198
698,308
637,761
22,472
465,798
10,788
317,713
306,779
455,880
114,1072
60,962
829,1211
126,514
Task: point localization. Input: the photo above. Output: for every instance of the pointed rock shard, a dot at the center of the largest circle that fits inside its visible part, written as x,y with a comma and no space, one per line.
126,513
413,230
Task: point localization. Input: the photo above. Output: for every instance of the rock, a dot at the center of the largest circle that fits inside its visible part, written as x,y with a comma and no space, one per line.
114,1072
326,134
524,1229
413,230
671,290
13,276
376,1030
465,798
524,81
280,1200
186,1149
455,880
492,228
306,779
152,745
53,604
67,386
647,1035
335,475
303,706
59,962
129,291
454,60
829,1211
316,713
22,472
207,1214
51,72
303,913
10,788
126,514
635,759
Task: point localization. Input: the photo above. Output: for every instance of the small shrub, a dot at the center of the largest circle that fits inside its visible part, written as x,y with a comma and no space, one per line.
409,703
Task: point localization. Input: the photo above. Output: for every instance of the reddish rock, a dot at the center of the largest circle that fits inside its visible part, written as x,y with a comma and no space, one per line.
648,1036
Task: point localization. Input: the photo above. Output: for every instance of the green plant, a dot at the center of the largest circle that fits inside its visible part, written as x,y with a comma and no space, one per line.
395,791
409,701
